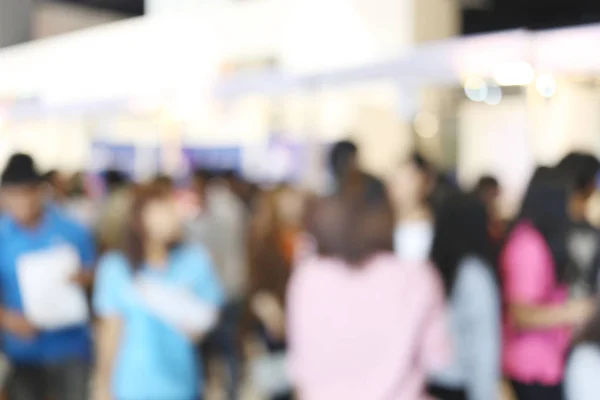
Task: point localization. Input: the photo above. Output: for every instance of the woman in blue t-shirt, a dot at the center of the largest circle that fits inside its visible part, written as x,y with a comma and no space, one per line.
155,300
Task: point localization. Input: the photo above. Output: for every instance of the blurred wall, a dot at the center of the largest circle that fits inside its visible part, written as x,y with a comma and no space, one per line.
496,140
178,58
51,18
567,121
15,22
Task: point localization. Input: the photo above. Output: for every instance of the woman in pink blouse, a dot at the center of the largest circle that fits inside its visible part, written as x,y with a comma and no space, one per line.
361,324
539,314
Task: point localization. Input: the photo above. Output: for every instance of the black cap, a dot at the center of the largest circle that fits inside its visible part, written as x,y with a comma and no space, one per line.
21,170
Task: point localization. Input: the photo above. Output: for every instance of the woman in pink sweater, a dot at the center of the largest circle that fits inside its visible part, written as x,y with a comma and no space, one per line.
361,324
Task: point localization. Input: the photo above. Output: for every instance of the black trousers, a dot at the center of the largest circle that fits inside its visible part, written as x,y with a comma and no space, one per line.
287,396
526,391
67,380
224,342
441,393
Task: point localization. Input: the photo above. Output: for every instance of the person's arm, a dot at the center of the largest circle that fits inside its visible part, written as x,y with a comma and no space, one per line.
16,324
112,276
269,312
531,317
207,289
435,348
528,279
478,309
108,334
300,330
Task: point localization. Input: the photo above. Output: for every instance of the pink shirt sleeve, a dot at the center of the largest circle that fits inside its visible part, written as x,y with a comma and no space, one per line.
526,267
436,350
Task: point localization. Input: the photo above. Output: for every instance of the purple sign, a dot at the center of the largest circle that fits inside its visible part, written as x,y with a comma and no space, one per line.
213,158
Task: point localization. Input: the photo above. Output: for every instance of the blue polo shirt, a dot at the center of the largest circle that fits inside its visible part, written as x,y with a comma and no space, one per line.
55,229
155,361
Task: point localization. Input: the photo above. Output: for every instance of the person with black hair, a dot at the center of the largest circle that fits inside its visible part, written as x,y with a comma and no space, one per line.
583,366
534,270
462,252
222,228
346,171
579,171
114,180
488,190
411,187
49,361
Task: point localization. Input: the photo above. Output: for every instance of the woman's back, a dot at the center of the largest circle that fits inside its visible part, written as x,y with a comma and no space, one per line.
365,333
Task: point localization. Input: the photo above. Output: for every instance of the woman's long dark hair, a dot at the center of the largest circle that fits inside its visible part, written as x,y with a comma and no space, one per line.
461,230
545,207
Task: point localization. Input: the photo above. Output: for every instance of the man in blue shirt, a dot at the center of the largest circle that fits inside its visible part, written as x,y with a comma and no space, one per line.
46,363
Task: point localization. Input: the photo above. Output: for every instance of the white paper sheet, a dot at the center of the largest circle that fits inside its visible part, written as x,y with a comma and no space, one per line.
177,306
50,300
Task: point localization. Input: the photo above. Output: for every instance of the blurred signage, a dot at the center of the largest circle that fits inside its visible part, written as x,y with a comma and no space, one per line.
110,156
280,160
212,158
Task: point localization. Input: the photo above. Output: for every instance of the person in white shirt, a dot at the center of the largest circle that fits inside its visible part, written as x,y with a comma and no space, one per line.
583,366
410,187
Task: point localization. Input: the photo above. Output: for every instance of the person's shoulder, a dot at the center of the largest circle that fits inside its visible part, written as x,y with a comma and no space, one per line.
524,240
66,223
476,284
5,223
421,275
113,263
476,273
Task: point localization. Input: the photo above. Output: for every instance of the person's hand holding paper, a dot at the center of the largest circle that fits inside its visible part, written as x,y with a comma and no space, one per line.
177,307
50,298
18,325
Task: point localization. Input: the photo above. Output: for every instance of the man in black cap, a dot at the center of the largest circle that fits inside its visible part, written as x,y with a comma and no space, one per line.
49,362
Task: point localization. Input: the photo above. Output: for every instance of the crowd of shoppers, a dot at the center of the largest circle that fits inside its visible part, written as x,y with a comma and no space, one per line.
403,289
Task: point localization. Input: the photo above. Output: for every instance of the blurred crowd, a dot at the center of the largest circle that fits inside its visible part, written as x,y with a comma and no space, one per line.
402,288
